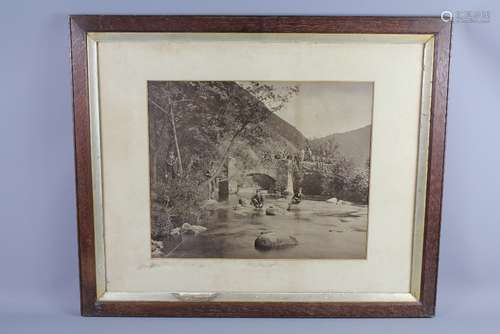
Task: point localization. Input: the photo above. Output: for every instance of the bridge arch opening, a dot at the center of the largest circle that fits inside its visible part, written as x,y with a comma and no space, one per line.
260,180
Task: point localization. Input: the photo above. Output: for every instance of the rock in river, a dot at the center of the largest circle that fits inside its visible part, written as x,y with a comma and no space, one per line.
176,232
192,229
271,240
275,211
209,204
333,200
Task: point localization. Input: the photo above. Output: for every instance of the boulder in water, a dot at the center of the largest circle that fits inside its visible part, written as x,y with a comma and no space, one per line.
175,232
209,203
271,240
333,200
192,229
275,211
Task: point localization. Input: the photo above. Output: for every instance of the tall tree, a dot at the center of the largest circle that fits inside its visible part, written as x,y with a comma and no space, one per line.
248,120
218,115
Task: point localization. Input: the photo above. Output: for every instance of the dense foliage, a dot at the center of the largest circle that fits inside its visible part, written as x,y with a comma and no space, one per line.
194,128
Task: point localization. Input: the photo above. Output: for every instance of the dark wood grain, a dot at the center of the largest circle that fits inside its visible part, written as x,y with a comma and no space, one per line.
81,25
442,46
83,166
260,309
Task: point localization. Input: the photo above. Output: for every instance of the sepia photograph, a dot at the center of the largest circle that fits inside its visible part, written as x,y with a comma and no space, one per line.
259,170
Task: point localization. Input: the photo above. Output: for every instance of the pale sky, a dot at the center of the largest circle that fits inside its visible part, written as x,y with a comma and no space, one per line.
322,108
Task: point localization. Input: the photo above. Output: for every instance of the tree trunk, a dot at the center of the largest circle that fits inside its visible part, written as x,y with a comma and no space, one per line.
226,154
174,131
175,139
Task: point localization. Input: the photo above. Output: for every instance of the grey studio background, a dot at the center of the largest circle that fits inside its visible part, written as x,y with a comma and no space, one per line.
38,251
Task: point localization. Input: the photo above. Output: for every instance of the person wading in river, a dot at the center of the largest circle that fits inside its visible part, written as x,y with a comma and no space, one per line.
258,200
296,199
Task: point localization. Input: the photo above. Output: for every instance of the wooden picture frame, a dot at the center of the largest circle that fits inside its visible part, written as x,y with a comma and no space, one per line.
92,305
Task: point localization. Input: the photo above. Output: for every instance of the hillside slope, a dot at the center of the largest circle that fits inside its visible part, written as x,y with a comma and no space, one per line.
354,145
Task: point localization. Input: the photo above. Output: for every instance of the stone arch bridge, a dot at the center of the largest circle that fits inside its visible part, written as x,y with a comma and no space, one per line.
280,172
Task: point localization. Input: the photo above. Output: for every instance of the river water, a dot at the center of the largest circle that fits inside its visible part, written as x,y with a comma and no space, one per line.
323,230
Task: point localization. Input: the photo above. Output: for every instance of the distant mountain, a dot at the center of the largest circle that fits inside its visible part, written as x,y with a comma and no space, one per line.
354,145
